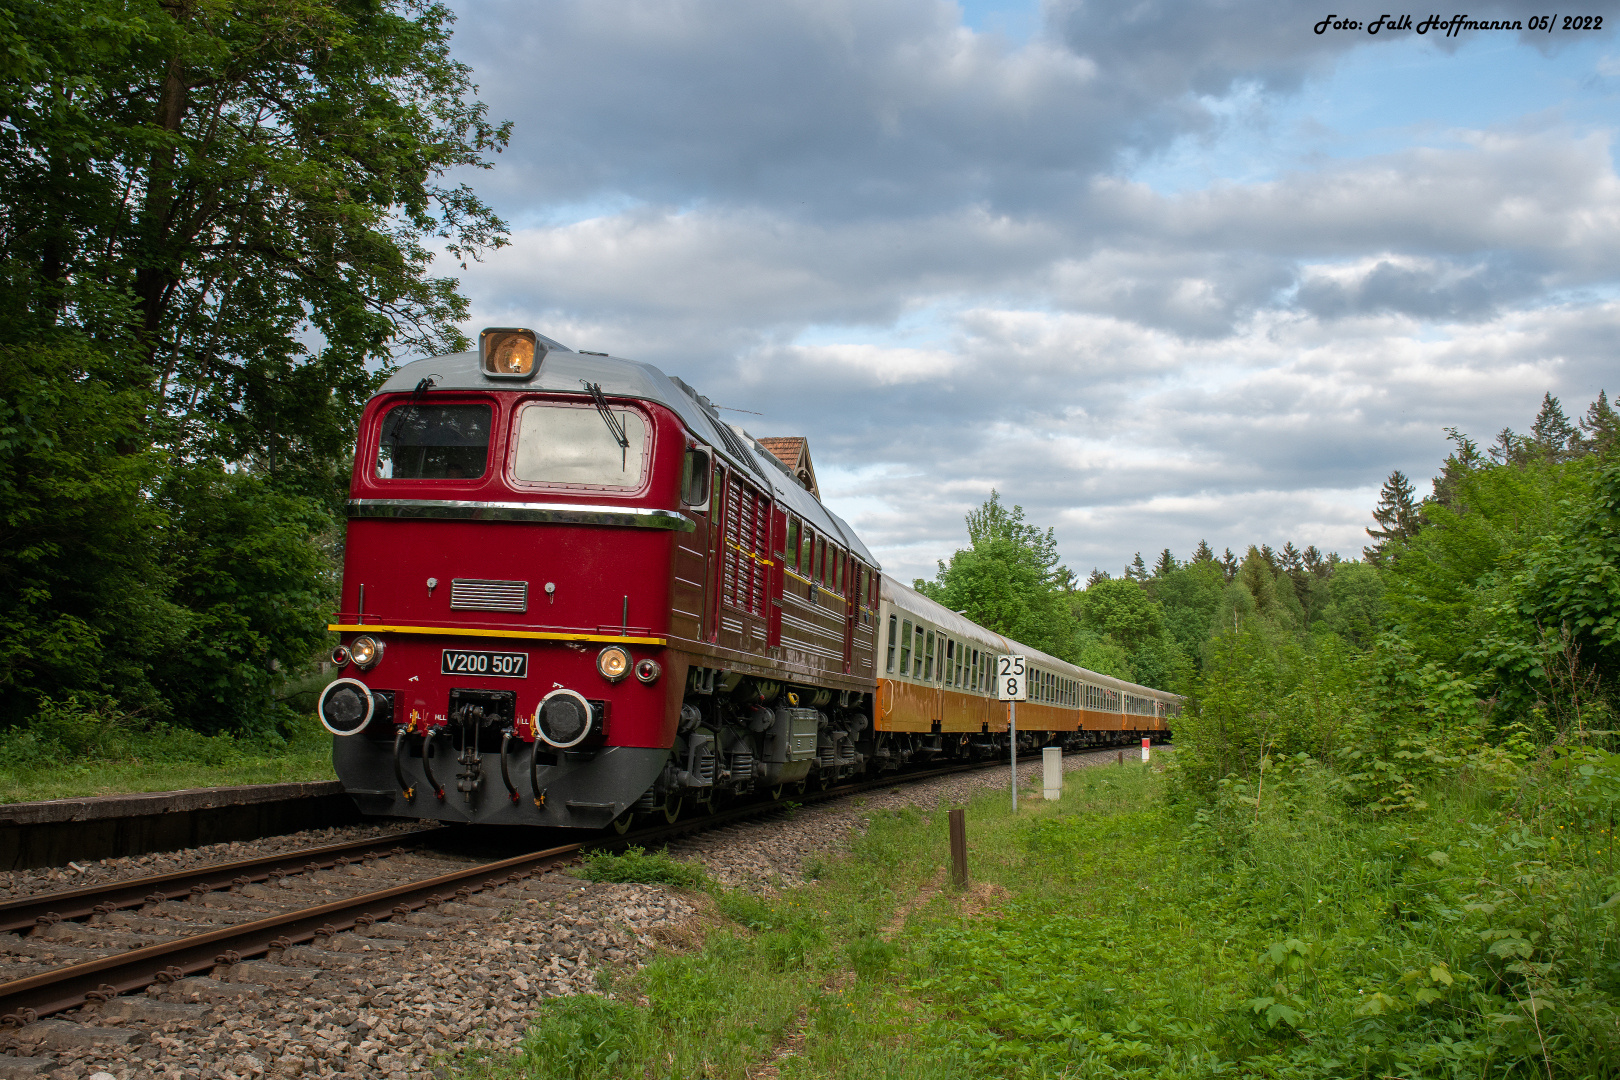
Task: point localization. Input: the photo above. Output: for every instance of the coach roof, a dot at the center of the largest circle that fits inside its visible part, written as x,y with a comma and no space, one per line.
565,371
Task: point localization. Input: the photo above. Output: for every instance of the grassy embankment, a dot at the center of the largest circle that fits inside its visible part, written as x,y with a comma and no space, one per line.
67,752
1106,935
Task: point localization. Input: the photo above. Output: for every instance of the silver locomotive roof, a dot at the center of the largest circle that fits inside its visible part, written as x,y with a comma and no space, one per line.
565,371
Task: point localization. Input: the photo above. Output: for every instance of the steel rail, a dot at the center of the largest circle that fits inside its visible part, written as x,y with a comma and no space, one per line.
21,914
24,1000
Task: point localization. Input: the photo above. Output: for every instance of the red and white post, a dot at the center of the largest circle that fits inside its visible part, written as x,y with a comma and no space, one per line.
1145,744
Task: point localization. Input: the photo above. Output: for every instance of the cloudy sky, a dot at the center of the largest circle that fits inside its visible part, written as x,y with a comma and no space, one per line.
1156,271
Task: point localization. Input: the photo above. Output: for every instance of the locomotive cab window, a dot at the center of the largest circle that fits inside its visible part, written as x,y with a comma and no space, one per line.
695,472
434,442
792,552
577,447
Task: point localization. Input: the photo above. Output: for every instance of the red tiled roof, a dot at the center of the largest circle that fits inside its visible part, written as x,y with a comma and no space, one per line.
788,449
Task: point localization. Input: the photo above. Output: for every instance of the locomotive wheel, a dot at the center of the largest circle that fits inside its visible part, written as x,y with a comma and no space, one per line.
672,809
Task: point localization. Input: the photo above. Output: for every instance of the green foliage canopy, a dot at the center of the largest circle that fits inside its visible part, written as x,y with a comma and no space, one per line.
217,223
1009,580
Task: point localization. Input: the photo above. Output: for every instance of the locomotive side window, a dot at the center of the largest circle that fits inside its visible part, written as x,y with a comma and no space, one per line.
892,620
434,442
695,470
561,444
793,544
807,552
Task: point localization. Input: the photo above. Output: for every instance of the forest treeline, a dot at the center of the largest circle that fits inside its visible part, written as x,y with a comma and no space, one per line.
1502,584
217,224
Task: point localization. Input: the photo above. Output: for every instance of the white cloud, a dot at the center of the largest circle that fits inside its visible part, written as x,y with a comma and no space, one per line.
917,245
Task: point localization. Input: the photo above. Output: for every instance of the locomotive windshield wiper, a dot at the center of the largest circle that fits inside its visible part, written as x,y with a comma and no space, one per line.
614,426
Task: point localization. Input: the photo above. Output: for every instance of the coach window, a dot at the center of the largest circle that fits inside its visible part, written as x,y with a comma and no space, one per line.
905,647
792,551
917,654
974,657
575,446
928,668
807,549
892,620
434,442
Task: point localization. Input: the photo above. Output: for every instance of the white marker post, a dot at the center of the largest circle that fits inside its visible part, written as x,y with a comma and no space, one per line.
1012,686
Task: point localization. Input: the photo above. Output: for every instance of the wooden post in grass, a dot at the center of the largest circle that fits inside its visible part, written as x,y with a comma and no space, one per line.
958,848
1121,759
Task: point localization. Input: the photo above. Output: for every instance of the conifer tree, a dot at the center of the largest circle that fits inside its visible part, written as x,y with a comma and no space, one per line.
1292,563
1462,461
1097,575
1397,516
1229,565
1203,553
1166,565
1552,432
1314,562
1138,570
1600,427
1509,448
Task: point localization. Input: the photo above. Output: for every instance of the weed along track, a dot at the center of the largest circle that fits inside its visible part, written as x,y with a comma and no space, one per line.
343,956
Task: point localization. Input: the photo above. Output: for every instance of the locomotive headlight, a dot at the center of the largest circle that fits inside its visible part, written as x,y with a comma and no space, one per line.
564,719
365,651
340,656
648,671
613,662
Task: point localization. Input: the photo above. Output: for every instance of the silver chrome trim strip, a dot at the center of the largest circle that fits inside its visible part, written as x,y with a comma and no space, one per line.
643,517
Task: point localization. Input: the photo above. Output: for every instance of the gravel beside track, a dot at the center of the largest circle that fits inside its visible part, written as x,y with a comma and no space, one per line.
398,999
15,884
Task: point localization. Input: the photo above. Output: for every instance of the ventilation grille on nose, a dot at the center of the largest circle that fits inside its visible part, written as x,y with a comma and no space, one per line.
470,594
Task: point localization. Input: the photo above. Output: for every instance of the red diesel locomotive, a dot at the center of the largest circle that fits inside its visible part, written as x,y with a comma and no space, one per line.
572,593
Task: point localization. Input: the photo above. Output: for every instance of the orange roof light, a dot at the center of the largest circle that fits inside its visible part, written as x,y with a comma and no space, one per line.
510,352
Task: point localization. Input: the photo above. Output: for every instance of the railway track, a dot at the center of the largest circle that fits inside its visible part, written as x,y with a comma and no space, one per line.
208,935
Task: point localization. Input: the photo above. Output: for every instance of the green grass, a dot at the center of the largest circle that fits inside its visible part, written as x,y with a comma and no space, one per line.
1107,935
637,865
69,752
